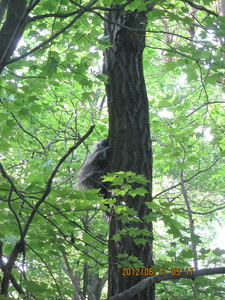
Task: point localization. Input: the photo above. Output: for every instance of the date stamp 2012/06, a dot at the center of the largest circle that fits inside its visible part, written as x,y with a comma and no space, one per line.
156,271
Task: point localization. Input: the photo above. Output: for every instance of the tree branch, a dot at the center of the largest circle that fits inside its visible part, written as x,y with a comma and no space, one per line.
200,7
27,132
12,29
204,104
187,180
54,15
147,282
47,267
19,247
41,45
50,180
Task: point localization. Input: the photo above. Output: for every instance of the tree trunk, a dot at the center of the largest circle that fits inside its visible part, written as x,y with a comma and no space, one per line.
12,28
129,138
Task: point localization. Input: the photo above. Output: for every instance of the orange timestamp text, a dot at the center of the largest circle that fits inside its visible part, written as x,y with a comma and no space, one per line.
156,271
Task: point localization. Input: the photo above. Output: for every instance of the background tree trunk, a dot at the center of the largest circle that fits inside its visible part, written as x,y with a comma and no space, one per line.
129,137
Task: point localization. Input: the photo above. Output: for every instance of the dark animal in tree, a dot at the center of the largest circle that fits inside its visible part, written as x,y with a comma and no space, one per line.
94,168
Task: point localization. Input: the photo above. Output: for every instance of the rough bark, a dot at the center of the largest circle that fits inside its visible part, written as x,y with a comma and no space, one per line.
129,137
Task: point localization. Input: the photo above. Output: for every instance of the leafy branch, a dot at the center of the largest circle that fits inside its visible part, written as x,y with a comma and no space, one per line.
44,43
50,180
19,247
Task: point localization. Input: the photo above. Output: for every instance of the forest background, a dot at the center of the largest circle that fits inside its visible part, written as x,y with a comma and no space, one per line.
54,87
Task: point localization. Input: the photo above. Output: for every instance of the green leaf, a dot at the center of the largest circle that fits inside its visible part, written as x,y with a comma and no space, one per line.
138,191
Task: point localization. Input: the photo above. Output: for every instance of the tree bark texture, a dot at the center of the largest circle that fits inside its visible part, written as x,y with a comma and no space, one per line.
12,28
129,138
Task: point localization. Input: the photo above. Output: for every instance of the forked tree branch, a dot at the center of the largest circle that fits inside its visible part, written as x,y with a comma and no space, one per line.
50,180
19,247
